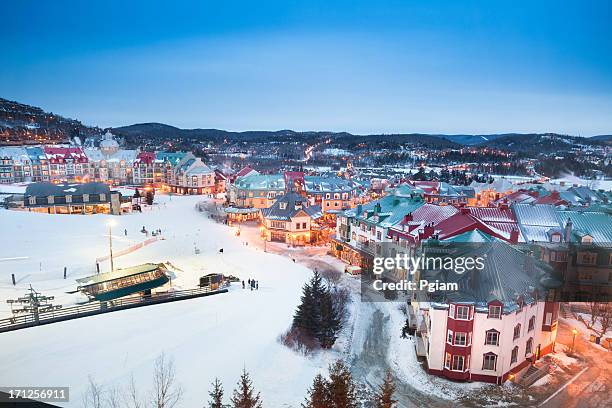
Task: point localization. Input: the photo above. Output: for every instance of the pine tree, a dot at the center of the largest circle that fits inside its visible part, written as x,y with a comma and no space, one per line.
330,321
341,386
318,315
244,394
150,197
318,394
384,396
216,395
308,313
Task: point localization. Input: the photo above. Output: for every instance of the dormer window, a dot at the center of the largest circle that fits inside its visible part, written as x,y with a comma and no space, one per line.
587,239
283,206
495,312
556,237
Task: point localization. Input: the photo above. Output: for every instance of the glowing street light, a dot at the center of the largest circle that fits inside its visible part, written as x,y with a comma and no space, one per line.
574,332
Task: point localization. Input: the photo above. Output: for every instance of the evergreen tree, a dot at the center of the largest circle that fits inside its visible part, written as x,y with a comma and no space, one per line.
308,313
149,197
318,315
341,387
216,395
330,321
244,394
420,175
384,396
318,394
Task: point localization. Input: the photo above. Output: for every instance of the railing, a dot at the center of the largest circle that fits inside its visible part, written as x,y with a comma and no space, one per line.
96,307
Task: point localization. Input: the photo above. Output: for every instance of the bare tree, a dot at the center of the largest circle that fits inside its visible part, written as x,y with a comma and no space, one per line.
131,398
605,317
594,309
113,398
166,391
93,395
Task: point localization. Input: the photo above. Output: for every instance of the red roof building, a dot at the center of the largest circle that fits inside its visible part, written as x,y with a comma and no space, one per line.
554,198
144,158
61,155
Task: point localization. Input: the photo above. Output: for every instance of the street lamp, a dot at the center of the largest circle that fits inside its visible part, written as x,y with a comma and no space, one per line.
110,224
574,332
263,237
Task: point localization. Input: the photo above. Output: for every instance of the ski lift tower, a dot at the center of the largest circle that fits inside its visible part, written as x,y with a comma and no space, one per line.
33,303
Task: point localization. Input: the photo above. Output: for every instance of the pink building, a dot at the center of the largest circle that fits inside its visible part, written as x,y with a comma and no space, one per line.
498,322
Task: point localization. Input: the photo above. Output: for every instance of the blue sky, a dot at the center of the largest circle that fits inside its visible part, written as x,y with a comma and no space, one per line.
360,66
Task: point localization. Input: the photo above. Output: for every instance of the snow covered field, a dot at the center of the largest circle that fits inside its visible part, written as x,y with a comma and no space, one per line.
206,337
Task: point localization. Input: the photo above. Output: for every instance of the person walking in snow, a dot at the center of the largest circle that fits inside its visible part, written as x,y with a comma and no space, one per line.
257,285
243,284
125,232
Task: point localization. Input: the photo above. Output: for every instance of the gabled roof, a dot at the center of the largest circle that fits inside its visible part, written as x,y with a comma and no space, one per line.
519,196
61,154
145,157
387,211
598,225
554,198
290,205
261,182
536,221
332,184
508,273
172,157
473,236
246,171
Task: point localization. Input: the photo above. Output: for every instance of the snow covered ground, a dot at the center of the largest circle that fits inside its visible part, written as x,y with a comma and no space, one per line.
207,337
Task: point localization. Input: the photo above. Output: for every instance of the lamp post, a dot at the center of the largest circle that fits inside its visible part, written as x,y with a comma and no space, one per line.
263,237
110,243
574,332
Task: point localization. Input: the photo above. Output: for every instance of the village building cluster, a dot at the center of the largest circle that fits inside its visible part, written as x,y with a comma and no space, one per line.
177,172
553,245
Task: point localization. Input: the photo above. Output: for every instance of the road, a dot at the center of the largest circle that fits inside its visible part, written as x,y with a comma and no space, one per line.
592,388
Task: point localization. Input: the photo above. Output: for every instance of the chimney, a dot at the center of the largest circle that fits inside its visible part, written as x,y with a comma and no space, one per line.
359,209
465,210
567,236
514,236
503,206
555,194
408,217
427,231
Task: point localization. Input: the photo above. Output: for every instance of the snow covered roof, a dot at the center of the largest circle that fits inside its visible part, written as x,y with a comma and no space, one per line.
246,171
261,182
16,154
119,273
319,184
62,154
598,225
508,273
289,205
387,211
128,156
536,221
46,189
